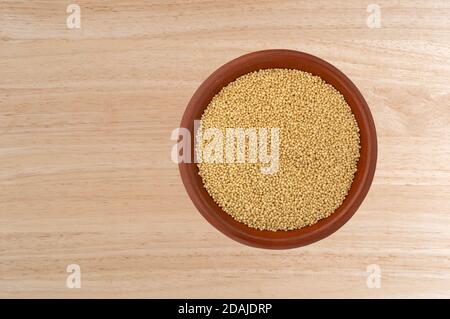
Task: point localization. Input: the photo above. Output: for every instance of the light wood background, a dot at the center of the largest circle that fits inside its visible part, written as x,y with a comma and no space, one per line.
85,169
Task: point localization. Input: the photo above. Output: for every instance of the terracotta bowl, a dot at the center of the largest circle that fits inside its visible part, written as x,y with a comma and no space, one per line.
366,165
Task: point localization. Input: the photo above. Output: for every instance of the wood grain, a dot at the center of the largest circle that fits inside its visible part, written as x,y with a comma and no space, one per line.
85,169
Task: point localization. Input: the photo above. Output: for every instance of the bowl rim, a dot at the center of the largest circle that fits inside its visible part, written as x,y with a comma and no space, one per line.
309,234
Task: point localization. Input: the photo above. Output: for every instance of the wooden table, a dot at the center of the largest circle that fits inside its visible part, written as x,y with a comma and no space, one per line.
85,171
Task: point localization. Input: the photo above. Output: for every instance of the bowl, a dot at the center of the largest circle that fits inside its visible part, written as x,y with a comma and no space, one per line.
365,170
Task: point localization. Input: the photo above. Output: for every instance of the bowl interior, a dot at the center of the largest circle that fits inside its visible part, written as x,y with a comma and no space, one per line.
366,165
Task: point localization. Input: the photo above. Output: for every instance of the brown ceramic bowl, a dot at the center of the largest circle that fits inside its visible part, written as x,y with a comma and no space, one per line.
366,165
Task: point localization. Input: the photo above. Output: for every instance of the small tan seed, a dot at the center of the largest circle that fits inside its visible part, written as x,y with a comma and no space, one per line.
319,149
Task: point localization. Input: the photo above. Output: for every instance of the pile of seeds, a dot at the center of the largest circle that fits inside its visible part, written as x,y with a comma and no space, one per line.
318,149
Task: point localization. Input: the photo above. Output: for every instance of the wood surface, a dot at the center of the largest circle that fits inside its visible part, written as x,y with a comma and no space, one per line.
85,171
